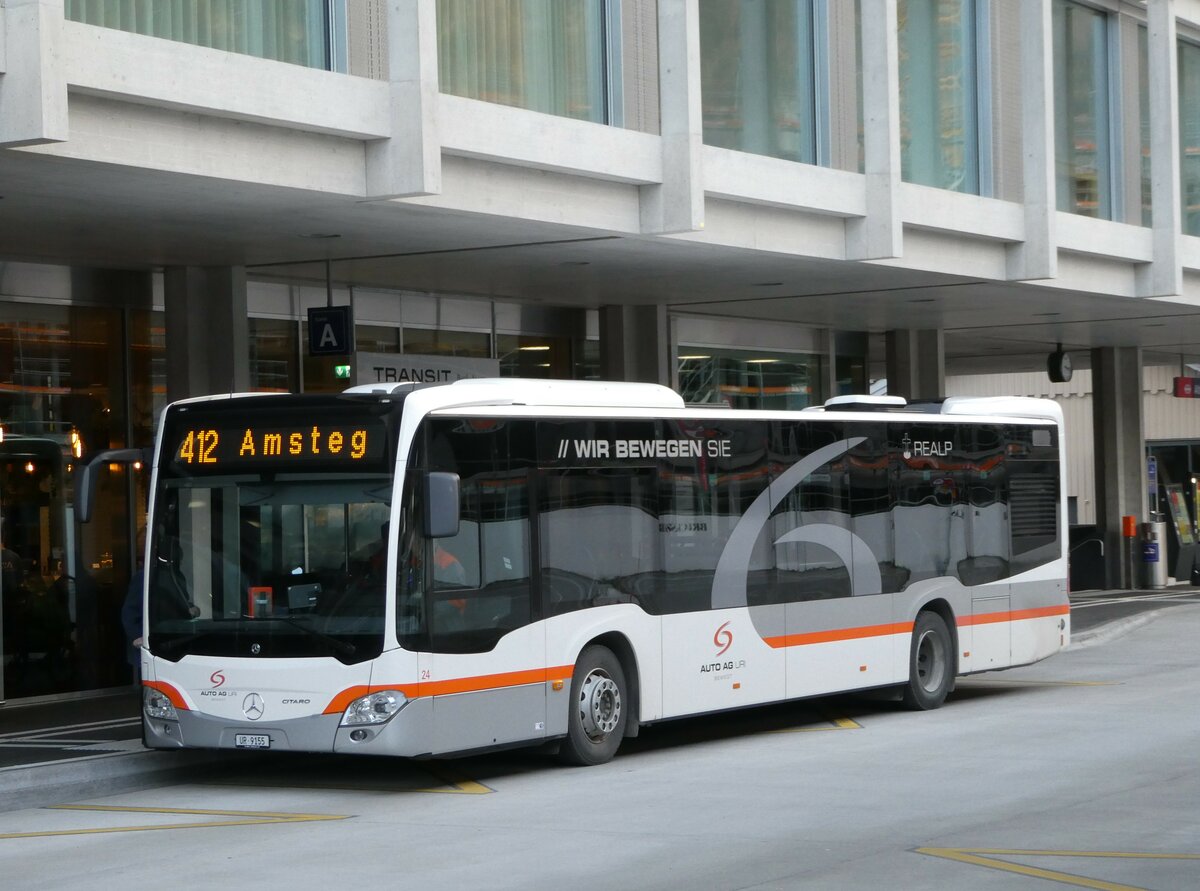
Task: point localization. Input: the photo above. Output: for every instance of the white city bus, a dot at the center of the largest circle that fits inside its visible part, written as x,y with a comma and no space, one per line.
432,570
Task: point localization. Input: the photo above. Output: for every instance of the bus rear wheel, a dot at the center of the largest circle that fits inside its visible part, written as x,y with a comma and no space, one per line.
930,664
597,717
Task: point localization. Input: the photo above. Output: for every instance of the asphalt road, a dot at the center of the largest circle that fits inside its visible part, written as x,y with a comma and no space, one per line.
1082,771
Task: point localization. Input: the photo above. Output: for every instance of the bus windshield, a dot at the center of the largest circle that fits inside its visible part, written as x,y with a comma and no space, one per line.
270,532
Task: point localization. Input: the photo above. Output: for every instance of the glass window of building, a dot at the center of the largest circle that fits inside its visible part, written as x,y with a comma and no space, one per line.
1082,98
298,31
447,342
750,378
376,339
147,372
274,356
1189,135
939,96
534,355
65,390
759,63
552,56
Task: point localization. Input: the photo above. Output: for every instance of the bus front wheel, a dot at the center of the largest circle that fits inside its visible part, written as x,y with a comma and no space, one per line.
598,708
930,664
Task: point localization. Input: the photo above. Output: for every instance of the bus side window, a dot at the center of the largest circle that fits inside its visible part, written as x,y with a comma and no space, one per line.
805,569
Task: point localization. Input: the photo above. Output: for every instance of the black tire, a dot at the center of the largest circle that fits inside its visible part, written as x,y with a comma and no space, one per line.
598,710
930,663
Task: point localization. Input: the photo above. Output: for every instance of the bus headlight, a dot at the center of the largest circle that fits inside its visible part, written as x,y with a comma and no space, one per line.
157,705
374,708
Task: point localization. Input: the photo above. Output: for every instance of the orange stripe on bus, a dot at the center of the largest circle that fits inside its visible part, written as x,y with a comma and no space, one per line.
338,704
1040,612
475,684
168,691
814,637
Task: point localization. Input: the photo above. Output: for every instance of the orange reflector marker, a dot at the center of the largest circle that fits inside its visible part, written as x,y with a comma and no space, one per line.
862,668
556,686
737,686
966,654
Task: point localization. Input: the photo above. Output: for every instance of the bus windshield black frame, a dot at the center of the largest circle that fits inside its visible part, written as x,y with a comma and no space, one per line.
271,526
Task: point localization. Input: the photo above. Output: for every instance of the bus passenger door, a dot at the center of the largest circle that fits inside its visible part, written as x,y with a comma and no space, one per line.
487,662
986,641
837,611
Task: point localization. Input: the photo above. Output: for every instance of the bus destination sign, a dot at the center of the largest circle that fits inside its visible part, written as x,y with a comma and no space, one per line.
211,448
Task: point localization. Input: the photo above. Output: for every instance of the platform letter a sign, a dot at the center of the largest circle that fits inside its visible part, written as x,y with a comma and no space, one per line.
330,331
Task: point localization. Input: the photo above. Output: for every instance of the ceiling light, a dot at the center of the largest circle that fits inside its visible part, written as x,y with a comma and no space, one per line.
534,349
681,358
760,361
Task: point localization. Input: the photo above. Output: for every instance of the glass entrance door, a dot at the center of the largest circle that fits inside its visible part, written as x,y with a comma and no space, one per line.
37,649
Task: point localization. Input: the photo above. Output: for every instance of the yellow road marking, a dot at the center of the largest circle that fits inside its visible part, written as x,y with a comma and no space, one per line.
245,818
459,785
836,722
976,857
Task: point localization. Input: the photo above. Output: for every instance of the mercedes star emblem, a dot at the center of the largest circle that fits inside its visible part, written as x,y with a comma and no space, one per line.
252,706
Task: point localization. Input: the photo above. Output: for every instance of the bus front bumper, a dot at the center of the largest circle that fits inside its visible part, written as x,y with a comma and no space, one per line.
406,734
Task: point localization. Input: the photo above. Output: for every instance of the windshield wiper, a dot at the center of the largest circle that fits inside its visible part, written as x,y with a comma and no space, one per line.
172,645
340,646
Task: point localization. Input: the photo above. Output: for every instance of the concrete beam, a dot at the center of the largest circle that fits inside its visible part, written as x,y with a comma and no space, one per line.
1120,455
171,74
916,364
1036,256
677,205
880,234
635,344
409,161
1163,276
207,331
33,88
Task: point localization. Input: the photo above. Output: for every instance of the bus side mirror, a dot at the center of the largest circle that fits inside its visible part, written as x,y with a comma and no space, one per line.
85,491
441,504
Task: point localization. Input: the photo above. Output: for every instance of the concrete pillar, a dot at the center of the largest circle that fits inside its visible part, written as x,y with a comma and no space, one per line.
207,331
1163,276
678,204
1037,256
33,84
410,161
879,234
1120,455
916,364
635,344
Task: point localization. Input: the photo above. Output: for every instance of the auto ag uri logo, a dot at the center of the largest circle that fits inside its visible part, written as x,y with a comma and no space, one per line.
217,678
723,639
